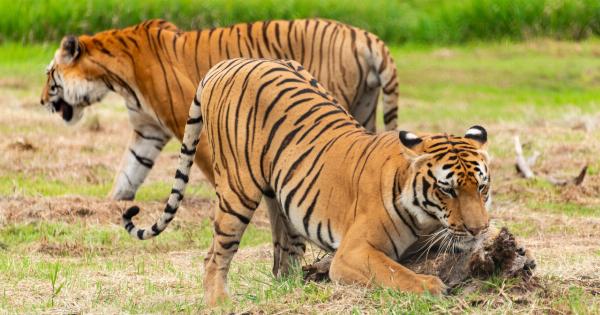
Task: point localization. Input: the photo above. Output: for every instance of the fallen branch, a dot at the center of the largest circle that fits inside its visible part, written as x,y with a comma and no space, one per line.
523,166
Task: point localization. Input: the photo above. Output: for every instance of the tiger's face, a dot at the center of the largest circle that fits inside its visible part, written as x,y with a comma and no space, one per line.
449,181
73,82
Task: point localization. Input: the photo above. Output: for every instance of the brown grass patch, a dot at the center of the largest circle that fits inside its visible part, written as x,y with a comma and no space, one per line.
21,144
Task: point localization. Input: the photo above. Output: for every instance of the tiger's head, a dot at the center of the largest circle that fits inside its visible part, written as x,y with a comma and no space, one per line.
85,68
73,81
449,182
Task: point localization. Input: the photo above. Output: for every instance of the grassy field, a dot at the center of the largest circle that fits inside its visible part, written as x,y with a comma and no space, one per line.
396,21
62,249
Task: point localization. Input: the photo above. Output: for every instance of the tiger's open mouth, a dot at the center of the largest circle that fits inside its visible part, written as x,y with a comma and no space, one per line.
64,109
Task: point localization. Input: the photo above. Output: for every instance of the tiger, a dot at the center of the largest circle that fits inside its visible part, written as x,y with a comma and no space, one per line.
276,135
156,68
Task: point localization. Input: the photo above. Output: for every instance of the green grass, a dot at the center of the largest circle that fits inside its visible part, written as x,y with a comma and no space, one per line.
490,82
568,208
79,239
41,186
73,255
522,228
496,82
28,185
25,62
423,21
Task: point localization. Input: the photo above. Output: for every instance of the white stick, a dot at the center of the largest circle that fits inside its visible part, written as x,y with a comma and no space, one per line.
522,165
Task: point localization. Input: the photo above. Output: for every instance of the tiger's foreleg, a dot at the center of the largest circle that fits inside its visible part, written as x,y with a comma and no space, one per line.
359,260
145,145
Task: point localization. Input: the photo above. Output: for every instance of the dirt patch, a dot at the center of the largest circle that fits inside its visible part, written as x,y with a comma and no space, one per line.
14,83
100,211
60,249
22,145
90,210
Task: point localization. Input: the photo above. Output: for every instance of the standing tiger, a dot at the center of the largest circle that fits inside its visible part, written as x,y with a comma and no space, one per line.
156,68
276,135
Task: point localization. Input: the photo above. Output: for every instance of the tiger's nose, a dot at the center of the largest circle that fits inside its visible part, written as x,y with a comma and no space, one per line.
476,230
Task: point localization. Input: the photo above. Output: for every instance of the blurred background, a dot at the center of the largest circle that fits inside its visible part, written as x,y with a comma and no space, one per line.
398,22
528,68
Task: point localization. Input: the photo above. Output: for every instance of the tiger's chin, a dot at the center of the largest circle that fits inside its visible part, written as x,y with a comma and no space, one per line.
69,113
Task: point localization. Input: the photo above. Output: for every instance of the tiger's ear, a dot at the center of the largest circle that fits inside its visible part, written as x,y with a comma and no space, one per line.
412,144
70,49
413,149
479,134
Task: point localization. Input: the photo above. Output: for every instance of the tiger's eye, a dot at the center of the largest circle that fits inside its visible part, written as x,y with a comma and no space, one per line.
448,191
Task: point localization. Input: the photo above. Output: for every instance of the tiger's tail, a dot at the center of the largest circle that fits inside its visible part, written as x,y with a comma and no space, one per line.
191,138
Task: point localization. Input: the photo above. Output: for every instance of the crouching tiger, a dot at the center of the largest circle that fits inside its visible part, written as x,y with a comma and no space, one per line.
276,134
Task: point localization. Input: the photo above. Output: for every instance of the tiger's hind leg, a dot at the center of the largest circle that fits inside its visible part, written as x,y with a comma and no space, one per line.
288,245
365,109
231,219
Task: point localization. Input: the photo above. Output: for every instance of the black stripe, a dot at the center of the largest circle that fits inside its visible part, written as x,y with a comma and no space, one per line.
274,102
229,245
155,229
329,231
192,121
183,177
178,193
148,163
225,207
309,211
391,241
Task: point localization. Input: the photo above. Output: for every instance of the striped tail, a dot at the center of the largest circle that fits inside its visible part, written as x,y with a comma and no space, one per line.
191,138
389,85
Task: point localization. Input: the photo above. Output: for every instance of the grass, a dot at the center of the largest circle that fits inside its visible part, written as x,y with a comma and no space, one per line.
499,81
430,21
80,239
27,185
509,87
568,208
491,82
25,62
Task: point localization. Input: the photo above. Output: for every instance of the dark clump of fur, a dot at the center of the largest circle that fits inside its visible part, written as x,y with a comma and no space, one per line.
500,256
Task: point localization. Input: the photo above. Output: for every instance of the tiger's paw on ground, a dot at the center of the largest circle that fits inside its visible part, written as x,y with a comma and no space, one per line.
500,255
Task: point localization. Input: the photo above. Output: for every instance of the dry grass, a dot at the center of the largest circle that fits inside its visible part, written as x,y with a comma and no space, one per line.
54,216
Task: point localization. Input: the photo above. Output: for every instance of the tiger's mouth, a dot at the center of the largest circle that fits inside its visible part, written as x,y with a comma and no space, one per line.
64,109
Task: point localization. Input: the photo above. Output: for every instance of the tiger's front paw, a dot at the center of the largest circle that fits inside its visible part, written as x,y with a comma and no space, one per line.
529,264
431,284
215,286
122,194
